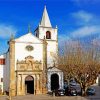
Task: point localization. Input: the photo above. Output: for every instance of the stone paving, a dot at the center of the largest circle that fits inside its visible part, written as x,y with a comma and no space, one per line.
48,97
44,97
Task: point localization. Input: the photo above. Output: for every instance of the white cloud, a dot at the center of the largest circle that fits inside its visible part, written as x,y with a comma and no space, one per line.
83,16
63,37
7,30
88,23
84,2
81,32
86,31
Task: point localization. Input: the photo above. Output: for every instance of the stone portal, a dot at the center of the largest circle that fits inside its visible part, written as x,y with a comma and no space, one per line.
29,76
29,85
54,79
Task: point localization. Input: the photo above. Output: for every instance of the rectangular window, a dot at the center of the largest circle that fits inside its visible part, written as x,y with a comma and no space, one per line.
1,79
2,61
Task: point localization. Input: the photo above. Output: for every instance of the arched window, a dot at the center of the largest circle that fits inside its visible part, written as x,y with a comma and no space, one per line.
48,35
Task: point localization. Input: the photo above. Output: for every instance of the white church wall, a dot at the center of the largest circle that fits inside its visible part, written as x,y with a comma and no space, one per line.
21,52
52,44
43,30
28,38
51,52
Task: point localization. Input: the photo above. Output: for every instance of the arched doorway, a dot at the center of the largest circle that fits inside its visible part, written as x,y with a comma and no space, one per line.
54,82
29,85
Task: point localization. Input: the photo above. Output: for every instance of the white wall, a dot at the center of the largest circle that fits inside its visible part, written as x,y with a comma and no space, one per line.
1,72
21,52
52,50
52,44
43,30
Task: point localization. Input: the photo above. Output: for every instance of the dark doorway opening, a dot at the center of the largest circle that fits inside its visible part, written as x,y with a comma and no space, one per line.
29,84
54,82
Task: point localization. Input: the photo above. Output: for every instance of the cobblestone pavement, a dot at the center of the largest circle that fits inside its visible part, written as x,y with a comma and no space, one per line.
44,97
48,97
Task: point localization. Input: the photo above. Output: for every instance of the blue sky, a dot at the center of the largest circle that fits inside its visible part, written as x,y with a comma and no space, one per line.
76,19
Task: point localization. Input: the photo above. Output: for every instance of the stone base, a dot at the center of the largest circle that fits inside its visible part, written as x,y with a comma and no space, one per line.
37,92
44,91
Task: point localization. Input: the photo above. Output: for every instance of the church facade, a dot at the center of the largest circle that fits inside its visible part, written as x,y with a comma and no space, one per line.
30,66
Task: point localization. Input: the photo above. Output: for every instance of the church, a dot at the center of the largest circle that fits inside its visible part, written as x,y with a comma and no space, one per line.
29,67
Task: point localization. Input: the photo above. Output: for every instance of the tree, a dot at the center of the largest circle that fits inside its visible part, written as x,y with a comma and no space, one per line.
80,62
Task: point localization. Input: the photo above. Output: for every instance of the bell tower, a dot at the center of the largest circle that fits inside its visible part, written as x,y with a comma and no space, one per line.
45,30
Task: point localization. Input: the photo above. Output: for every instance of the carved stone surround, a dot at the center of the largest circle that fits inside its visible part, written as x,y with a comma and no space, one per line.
29,64
51,71
27,67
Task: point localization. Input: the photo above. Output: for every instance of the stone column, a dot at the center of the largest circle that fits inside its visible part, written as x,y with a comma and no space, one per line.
12,87
23,84
49,81
17,85
19,88
62,80
35,85
44,73
44,56
38,85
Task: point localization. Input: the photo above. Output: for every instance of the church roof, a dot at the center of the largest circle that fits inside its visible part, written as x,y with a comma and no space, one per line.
45,19
29,37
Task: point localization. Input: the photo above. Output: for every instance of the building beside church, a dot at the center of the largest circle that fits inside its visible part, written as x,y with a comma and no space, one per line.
29,66
2,65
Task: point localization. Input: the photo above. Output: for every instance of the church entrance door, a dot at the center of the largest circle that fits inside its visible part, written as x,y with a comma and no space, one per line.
29,85
54,82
